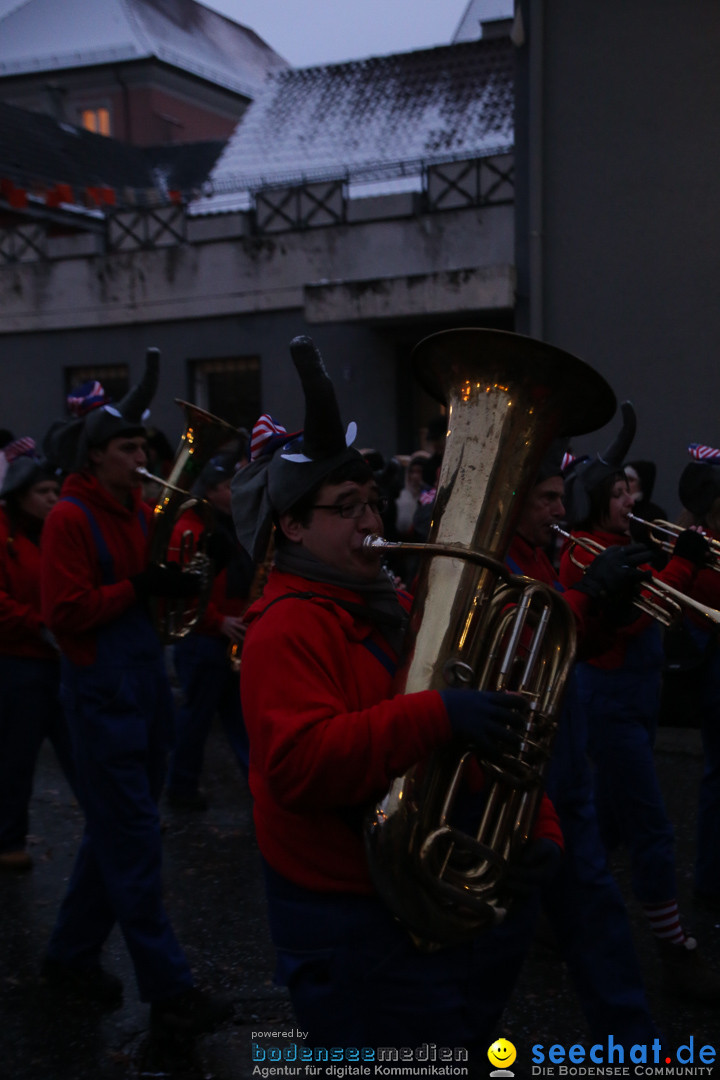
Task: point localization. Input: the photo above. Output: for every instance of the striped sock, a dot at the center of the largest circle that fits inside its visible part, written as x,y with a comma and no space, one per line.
665,921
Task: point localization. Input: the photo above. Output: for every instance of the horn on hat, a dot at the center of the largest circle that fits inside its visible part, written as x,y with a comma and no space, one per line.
138,398
616,452
323,434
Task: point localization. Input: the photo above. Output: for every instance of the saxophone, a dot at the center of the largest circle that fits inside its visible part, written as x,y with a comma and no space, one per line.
475,625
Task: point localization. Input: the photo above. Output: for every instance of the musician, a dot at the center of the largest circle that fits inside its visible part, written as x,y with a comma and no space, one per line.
619,691
327,738
582,903
29,660
206,676
95,582
699,491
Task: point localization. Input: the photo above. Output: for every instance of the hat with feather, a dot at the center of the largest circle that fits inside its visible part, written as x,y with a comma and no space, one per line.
287,467
96,419
584,474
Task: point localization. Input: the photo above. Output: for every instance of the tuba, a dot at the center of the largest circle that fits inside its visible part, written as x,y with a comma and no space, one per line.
475,625
203,436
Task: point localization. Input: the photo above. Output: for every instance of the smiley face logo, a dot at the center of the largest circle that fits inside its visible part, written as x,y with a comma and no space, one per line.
502,1054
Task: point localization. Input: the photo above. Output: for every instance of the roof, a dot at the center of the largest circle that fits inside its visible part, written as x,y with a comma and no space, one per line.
478,12
51,35
382,116
37,151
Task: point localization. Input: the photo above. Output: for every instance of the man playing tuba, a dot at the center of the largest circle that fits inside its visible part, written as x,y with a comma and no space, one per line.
327,737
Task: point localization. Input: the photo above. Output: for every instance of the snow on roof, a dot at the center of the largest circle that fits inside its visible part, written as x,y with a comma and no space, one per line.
369,120
47,35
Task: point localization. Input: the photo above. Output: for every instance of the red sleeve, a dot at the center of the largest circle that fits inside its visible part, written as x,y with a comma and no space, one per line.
190,523
547,824
313,750
16,617
73,598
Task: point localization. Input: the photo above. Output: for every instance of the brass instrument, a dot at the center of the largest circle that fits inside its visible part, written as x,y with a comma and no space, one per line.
672,531
204,434
661,601
473,624
255,592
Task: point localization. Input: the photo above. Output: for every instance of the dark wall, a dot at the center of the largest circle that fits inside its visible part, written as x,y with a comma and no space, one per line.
367,366
619,112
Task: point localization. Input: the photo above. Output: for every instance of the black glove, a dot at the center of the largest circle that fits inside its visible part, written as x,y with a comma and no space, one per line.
536,864
693,546
614,572
491,720
165,580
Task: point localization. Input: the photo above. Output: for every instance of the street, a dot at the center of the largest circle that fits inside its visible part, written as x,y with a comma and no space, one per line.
214,895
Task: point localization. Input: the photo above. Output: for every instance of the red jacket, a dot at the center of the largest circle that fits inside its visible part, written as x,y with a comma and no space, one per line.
679,572
75,602
326,737
706,589
593,634
219,604
21,623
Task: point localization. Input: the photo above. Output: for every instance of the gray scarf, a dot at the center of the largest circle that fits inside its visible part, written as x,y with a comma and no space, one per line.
381,606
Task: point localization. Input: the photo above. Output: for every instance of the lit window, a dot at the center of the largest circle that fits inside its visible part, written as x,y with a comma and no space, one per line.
97,120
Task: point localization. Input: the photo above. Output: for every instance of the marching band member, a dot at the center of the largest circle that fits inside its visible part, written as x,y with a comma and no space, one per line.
208,681
620,693
327,737
30,708
95,583
699,492
583,903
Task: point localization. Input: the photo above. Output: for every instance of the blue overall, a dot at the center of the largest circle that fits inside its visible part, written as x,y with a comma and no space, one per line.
583,903
707,863
210,687
355,977
120,714
621,706
30,712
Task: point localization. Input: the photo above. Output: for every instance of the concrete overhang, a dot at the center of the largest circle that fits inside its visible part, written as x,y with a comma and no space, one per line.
444,292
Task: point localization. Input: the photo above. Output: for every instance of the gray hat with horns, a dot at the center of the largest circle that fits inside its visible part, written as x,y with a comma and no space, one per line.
275,481
586,473
68,442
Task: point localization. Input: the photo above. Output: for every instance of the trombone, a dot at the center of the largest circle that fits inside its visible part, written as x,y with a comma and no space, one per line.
672,532
660,601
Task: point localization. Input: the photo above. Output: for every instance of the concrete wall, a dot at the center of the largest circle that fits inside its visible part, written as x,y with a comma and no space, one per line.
620,231
366,292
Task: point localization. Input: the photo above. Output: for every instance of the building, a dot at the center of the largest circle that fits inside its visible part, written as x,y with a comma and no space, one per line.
617,216
366,203
147,72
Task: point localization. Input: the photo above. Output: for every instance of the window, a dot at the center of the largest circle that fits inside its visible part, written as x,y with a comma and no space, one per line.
228,388
97,120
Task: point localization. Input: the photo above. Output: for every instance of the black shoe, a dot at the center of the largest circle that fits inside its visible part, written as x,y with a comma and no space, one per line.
92,984
192,1012
191,800
685,973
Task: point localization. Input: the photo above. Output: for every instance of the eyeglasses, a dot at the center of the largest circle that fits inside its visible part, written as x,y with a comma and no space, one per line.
356,510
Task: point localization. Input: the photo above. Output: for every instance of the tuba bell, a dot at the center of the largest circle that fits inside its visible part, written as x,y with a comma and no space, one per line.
475,625
203,436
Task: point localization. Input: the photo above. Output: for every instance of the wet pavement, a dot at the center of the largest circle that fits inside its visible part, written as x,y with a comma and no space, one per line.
214,895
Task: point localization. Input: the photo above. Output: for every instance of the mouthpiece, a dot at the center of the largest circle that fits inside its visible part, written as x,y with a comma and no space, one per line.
375,541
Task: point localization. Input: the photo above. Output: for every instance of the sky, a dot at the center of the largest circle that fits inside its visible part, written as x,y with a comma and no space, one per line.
307,32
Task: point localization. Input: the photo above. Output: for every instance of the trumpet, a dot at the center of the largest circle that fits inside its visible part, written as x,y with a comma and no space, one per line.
672,532
660,601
